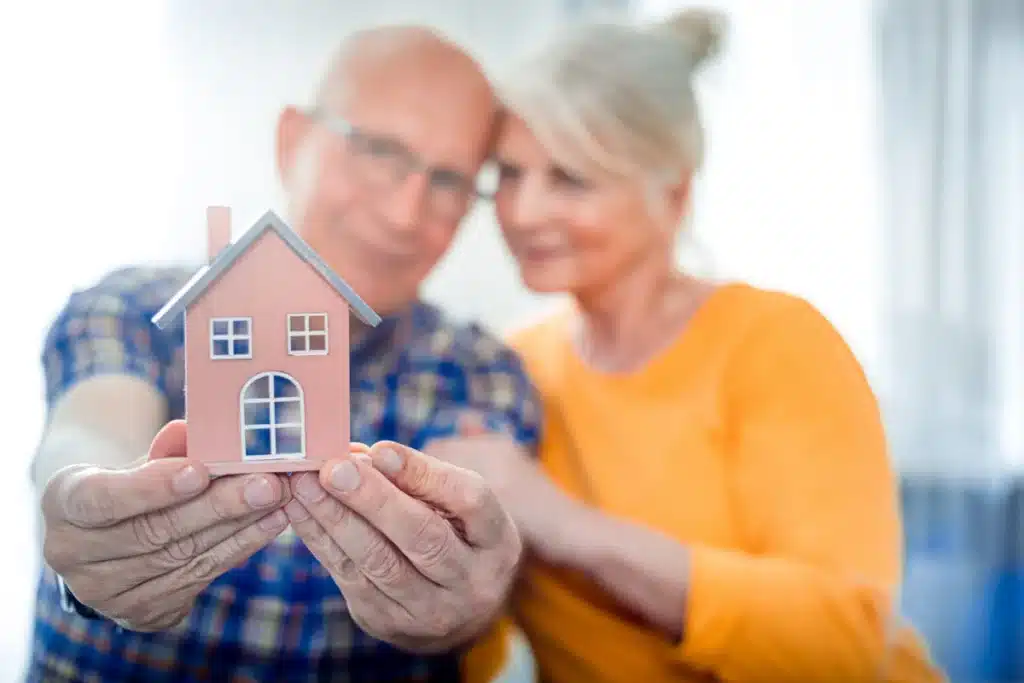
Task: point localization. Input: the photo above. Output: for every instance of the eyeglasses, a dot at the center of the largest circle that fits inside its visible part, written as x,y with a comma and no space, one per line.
384,163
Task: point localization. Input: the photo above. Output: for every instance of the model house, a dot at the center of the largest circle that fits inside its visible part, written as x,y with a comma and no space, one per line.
266,350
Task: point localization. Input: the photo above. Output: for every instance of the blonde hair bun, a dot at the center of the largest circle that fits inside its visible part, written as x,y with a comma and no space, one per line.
703,30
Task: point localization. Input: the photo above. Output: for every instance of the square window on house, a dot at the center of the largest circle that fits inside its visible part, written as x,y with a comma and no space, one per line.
307,334
230,338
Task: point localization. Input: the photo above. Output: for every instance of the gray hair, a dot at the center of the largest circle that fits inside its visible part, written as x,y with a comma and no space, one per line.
618,99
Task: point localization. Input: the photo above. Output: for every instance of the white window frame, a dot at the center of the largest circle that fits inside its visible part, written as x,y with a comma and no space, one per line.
306,334
230,338
273,425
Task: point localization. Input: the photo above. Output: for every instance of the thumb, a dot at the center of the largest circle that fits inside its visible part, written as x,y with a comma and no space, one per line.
170,441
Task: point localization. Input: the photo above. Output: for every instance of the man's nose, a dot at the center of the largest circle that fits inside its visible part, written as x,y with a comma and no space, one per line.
404,206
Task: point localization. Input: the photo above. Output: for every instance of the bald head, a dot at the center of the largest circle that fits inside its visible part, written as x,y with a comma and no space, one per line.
381,203
399,56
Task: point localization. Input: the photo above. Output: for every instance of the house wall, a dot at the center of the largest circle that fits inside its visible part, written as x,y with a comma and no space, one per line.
266,283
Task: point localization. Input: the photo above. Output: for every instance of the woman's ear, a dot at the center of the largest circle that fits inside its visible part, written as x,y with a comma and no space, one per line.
678,194
292,127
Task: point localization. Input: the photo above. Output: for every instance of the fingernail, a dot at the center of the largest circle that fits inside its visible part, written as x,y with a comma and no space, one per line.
309,489
187,481
276,520
345,476
258,492
388,461
296,512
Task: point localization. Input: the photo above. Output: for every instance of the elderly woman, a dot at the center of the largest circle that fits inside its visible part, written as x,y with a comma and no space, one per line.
713,498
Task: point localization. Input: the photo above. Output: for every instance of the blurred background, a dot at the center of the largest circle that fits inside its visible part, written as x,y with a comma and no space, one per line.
866,155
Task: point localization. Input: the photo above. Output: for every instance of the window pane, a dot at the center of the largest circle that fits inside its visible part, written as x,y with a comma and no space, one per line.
260,388
284,387
297,344
289,440
220,347
241,347
241,327
256,414
220,327
318,322
318,342
257,441
287,412
297,323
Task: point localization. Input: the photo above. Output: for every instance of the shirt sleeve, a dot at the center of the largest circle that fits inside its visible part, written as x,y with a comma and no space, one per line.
484,381
106,329
817,500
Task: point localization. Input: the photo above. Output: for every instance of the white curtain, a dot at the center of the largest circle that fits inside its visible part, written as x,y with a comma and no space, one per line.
951,74
952,77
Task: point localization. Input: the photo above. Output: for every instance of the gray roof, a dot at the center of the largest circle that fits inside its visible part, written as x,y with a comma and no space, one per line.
206,275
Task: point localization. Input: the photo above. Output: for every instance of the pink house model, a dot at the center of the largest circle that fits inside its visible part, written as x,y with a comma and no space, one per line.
266,351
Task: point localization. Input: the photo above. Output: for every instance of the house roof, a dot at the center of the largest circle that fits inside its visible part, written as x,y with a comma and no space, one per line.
206,275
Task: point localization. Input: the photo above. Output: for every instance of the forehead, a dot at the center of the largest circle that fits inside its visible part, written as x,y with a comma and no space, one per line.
517,143
445,119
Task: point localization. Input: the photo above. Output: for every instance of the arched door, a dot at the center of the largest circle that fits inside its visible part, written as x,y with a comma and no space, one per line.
273,417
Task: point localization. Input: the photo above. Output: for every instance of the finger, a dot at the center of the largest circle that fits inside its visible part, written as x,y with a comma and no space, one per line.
459,492
173,529
391,568
133,570
92,497
199,572
417,530
361,593
171,441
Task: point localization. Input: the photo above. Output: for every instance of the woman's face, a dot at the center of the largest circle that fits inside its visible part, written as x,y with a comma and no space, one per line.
570,233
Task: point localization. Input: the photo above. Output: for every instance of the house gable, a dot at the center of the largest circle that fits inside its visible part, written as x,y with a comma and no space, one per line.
268,223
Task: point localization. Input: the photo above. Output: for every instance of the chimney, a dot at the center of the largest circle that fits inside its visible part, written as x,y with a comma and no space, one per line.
218,230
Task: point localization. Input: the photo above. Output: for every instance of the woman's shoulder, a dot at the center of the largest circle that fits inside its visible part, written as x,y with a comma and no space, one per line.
750,311
540,340
773,332
540,329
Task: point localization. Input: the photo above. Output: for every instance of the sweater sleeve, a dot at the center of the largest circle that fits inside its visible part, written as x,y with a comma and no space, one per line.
813,597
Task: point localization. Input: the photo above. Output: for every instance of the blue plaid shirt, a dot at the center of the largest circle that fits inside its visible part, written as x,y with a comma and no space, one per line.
280,616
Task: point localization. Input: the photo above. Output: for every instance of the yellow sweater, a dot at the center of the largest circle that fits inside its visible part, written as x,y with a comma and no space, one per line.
756,441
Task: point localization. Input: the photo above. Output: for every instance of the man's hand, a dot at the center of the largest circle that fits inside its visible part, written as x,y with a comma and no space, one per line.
536,504
422,550
138,545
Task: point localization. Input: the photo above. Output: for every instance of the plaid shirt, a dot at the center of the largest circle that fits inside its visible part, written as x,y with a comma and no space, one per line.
280,616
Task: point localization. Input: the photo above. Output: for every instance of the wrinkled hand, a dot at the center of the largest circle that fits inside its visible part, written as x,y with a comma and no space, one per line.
138,545
422,550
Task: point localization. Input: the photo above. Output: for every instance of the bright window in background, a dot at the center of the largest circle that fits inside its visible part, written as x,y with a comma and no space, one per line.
789,194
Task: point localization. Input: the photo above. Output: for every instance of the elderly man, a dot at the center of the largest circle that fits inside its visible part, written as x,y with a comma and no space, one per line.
158,573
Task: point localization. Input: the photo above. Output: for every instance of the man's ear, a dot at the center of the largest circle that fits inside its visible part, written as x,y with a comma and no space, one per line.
292,127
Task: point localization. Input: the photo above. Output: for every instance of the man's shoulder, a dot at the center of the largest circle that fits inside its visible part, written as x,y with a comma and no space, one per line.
439,335
129,288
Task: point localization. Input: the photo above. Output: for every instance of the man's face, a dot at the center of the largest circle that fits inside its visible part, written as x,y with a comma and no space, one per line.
379,183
